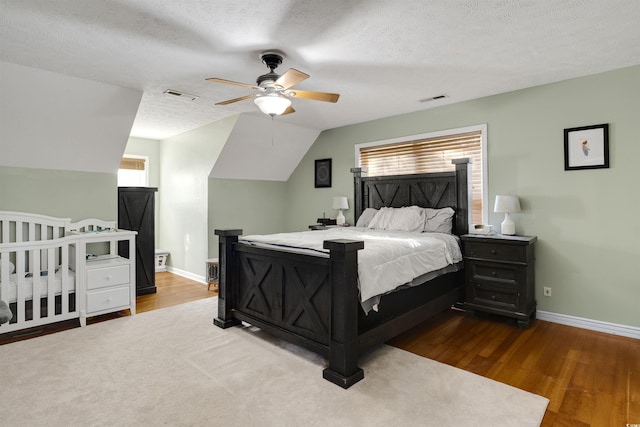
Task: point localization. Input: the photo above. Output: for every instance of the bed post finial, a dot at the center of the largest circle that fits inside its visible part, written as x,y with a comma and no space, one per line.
463,180
357,192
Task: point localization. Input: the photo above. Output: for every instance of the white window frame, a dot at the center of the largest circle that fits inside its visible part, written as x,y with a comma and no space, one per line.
485,173
146,166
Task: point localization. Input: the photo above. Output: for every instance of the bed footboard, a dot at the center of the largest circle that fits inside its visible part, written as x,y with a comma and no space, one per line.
309,300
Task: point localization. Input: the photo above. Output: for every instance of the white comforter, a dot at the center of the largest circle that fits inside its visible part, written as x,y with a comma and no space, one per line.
389,258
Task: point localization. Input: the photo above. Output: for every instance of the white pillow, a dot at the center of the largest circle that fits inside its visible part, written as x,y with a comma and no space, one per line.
366,217
439,220
410,218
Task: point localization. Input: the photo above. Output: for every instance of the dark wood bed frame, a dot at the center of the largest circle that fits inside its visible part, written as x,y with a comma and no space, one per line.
313,301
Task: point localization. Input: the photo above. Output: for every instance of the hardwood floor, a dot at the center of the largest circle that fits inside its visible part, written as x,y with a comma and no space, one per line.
173,290
590,378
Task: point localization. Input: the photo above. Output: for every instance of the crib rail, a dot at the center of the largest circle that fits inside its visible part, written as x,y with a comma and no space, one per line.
37,283
91,225
29,227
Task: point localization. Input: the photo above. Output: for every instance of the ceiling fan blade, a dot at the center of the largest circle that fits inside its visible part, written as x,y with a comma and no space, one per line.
231,101
231,82
316,96
289,110
291,77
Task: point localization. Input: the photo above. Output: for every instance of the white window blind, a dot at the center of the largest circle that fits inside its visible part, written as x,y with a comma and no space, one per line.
130,163
429,155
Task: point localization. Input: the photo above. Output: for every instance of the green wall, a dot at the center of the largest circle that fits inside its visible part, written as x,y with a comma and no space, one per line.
185,163
255,207
59,193
585,220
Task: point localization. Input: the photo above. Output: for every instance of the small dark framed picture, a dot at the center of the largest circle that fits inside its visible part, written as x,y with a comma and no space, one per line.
586,147
323,173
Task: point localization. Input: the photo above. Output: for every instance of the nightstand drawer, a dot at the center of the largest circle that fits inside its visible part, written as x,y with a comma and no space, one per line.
495,296
489,270
495,251
107,299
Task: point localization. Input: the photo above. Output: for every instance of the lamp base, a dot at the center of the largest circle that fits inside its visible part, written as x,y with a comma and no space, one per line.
507,226
340,218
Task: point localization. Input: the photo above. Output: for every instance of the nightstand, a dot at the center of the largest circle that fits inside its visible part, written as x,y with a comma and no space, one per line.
499,275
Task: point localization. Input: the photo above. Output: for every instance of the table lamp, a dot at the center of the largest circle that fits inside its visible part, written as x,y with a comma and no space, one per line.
340,203
507,204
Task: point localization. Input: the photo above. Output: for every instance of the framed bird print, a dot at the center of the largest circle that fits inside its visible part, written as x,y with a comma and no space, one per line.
586,147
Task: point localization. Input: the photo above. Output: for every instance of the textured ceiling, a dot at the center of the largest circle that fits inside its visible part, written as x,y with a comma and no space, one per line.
383,57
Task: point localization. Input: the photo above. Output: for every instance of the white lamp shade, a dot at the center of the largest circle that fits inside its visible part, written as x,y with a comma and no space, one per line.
272,105
506,204
340,202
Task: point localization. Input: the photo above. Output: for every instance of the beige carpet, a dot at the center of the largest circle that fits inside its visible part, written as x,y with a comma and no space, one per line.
173,367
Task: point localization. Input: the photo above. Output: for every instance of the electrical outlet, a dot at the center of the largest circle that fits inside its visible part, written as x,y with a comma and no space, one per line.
547,291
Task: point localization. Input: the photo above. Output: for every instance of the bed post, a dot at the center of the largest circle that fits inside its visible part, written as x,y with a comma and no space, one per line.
344,348
227,277
463,181
358,190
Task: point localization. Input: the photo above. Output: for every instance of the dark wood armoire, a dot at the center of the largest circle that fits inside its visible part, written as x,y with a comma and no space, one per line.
136,211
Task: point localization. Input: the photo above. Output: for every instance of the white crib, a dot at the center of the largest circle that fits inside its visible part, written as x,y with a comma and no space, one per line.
47,276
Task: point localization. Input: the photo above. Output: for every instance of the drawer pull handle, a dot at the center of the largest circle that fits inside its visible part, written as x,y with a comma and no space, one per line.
472,253
493,251
108,277
493,297
494,274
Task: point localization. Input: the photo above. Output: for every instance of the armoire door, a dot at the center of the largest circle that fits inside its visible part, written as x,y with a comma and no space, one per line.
136,207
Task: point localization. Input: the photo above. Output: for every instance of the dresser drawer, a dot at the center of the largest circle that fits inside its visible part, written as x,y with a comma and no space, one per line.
107,276
495,251
108,299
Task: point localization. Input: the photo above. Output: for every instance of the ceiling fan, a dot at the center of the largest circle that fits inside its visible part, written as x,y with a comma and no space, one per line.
273,92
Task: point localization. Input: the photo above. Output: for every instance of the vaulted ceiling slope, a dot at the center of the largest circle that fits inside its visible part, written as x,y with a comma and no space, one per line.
257,149
55,121
382,56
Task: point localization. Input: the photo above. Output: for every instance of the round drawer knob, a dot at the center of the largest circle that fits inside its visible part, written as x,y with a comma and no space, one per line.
108,277
493,251
494,274
472,253
493,297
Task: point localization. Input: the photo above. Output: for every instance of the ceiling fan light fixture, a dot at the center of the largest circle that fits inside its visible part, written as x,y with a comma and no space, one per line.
273,105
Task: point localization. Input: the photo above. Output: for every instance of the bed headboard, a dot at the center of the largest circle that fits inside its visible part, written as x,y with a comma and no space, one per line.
427,190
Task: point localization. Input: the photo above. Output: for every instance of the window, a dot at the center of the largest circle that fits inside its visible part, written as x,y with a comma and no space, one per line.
432,152
133,172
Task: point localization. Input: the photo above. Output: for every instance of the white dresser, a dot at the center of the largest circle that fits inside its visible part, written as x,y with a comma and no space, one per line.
109,280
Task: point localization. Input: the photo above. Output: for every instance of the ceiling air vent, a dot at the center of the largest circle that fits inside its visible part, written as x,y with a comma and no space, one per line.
434,98
178,94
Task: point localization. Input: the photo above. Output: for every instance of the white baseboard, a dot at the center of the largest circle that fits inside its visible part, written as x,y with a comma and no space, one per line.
187,274
593,325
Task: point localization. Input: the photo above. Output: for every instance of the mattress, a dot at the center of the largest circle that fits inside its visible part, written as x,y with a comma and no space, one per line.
12,290
390,259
